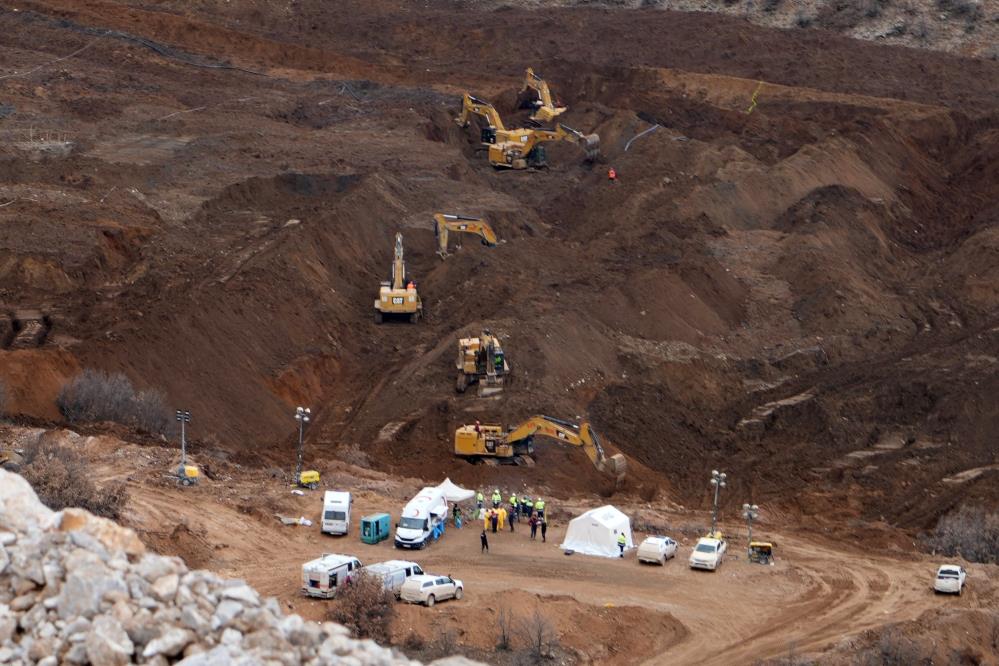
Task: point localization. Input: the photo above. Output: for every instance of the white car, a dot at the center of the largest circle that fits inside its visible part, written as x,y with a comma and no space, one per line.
950,579
428,589
656,549
708,553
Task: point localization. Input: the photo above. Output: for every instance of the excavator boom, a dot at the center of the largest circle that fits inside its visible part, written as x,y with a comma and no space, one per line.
474,106
398,265
444,223
545,109
581,435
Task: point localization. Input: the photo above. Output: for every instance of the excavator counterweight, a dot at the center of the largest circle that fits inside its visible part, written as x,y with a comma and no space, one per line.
398,296
478,442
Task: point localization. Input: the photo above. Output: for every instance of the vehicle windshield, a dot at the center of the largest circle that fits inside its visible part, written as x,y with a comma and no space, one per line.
335,515
705,548
947,573
413,523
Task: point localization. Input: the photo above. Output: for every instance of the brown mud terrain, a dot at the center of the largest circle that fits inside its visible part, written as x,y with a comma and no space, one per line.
799,290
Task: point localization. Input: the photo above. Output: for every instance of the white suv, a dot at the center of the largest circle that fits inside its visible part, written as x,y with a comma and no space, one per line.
708,553
429,589
950,579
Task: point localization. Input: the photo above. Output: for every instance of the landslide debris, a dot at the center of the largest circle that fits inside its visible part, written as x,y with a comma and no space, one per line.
78,589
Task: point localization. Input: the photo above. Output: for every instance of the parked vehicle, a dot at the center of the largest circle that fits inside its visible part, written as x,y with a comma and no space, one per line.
375,528
428,589
761,552
394,573
950,579
708,553
423,519
322,576
656,549
336,512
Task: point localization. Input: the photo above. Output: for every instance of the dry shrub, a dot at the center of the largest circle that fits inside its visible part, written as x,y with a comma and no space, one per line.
894,649
365,607
504,627
969,532
61,477
414,642
540,635
446,644
94,395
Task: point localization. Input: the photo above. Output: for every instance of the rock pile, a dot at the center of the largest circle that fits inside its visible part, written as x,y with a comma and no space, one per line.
78,589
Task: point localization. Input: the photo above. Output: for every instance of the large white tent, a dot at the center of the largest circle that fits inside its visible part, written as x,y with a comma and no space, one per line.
455,493
596,531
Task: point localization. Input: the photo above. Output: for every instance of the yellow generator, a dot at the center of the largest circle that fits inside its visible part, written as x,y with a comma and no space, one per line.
188,475
481,361
309,479
398,297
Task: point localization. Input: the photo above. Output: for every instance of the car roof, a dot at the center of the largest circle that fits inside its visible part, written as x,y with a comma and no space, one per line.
658,538
424,578
949,567
390,564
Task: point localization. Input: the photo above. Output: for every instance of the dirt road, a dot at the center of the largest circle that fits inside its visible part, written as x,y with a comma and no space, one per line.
818,592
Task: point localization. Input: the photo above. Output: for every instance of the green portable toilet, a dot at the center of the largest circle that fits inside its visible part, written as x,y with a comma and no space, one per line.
375,528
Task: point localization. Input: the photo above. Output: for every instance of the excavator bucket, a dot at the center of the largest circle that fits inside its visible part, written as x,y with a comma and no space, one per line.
591,144
616,466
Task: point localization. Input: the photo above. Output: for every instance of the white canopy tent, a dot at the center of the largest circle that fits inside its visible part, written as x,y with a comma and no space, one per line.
596,531
455,493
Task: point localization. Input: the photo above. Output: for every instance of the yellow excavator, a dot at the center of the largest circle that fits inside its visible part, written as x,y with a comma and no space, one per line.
444,223
520,148
545,110
489,442
481,361
398,297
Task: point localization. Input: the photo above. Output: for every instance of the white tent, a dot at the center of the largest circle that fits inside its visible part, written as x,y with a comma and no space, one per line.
596,531
455,493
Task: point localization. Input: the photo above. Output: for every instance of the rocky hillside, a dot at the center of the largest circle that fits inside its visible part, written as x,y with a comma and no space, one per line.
78,589
963,27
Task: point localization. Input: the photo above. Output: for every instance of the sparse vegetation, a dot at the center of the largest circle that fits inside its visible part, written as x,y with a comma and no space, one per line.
364,607
504,628
969,532
539,635
62,478
94,395
894,649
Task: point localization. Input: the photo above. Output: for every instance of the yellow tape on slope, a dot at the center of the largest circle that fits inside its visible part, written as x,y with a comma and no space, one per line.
755,94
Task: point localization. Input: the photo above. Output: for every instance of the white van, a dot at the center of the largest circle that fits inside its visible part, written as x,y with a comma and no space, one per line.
425,514
322,576
394,573
336,512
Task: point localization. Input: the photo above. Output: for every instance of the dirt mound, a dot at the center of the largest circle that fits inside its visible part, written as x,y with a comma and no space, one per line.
747,292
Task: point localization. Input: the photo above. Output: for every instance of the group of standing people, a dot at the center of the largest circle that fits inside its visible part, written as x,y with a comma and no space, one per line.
533,511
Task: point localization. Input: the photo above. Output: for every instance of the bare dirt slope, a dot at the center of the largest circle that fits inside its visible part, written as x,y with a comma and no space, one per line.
203,195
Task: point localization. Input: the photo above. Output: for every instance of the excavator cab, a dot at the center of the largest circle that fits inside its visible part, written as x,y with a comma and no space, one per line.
488,135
